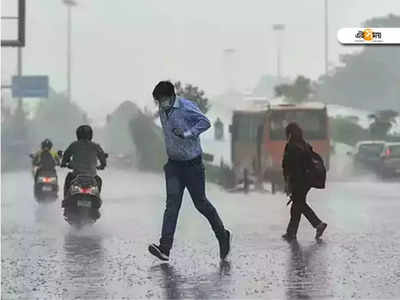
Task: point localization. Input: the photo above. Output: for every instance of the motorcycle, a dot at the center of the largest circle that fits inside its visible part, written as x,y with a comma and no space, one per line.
45,187
82,201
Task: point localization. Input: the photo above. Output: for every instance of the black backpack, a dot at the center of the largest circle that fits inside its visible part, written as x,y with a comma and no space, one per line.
47,162
315,170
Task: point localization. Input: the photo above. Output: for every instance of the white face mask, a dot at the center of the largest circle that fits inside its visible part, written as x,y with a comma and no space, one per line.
166,103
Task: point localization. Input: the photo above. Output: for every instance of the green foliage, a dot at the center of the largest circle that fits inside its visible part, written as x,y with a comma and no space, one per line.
57,118
149,142
383,121
368,79
193,93
345,130
266,84
15,138
297,92
118,137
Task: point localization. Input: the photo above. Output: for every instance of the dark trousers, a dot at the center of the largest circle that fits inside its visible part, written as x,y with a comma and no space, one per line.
299,207
190,175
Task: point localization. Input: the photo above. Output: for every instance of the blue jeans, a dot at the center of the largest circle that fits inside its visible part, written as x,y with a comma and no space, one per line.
190,175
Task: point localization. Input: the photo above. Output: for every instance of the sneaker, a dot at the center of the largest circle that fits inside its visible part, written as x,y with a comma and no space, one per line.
289,237
320,230
159,252
225,245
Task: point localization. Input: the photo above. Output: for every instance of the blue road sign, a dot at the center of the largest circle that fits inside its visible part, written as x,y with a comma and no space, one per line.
30,86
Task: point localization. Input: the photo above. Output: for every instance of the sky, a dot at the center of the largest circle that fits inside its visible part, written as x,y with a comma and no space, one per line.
122,48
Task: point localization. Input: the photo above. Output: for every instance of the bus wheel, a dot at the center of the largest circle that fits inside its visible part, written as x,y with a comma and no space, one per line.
246,181
273,187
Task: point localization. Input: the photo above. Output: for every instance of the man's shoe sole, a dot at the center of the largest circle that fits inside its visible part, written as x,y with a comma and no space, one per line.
230,245
289,238
157,253
319,233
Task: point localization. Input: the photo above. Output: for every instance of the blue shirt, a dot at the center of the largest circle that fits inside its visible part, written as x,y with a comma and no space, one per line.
185,115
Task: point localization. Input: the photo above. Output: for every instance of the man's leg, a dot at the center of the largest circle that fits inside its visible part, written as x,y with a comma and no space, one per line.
67,182
99,182
298,198
195,182
175,188
311,216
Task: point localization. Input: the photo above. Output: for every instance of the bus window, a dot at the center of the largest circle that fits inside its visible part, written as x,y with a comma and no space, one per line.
246,126
313,123
243,128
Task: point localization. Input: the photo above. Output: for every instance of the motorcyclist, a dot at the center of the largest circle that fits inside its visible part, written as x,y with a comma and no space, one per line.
45,159
82,155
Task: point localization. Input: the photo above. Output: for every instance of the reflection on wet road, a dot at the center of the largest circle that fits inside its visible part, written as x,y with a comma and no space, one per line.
44,258
206,286
303,277
84,266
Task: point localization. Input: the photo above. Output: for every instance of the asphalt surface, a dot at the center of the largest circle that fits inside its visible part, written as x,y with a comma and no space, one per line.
358,257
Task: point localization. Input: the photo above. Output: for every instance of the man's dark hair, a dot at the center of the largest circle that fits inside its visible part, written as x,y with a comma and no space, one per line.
163,89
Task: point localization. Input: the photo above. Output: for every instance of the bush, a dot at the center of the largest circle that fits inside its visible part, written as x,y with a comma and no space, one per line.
149,143
346,131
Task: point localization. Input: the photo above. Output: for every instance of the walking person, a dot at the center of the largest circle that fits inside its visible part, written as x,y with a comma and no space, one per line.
295,159
182,123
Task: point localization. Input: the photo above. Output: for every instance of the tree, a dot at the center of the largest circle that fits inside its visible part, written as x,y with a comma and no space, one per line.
57,118
194,94
297,92
15,138
367,79
148,141
383,121
346,130
266,84
118,136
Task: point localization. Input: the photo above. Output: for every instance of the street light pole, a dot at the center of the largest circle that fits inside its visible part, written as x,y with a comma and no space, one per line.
278,28
69,4
326,37
229,68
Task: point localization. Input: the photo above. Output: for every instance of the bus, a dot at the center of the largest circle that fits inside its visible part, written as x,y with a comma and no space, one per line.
258,139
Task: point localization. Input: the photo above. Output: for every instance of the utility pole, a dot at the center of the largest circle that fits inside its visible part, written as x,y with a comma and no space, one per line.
69,4
279,28
229,68
326,37
19,70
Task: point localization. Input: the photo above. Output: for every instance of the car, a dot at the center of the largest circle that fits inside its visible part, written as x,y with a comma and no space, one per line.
367,154
390,160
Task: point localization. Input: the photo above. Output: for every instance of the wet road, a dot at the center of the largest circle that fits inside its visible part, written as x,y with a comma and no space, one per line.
44,258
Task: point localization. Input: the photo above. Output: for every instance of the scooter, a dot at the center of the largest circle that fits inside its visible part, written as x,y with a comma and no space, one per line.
82,201
45,187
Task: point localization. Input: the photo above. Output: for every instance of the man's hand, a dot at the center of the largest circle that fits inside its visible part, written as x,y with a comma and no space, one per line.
101,167
179,132
288,192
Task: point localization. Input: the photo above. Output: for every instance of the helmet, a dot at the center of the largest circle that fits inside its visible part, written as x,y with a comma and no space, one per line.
84,132
47,144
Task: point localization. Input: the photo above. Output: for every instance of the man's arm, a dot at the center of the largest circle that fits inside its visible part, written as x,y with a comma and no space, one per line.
36,158
67,155
201,122
101,156
56,158
288,161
